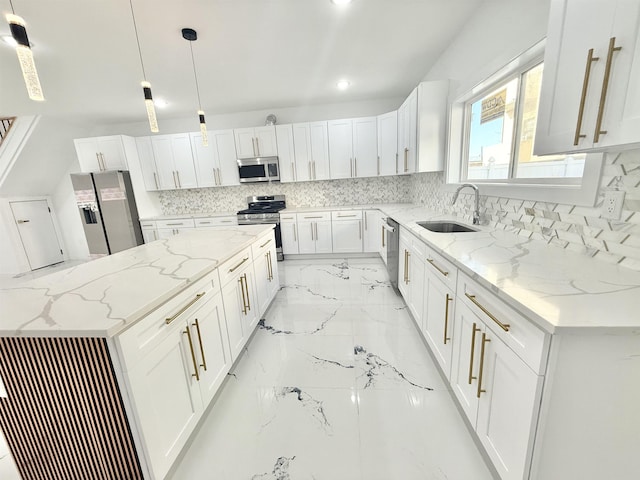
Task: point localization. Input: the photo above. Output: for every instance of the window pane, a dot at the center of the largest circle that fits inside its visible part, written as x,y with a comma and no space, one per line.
529,165
491,133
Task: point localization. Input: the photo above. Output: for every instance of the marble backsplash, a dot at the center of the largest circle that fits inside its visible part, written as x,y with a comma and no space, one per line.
321,193
581,229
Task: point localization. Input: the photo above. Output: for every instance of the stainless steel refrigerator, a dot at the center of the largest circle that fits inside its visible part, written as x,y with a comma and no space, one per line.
108,211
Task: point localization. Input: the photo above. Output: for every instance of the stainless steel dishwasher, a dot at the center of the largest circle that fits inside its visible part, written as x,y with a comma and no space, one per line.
393,246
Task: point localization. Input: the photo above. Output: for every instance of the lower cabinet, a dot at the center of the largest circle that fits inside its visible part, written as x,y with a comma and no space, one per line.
266,273
289,232
149,231
314,233
346,229
372,231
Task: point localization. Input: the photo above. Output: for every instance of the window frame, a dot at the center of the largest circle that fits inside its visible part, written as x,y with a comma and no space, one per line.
572,190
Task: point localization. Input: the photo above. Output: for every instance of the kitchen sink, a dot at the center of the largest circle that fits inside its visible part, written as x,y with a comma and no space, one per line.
446,227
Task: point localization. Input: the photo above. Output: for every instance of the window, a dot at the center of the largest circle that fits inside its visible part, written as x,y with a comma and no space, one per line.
501,130
492,134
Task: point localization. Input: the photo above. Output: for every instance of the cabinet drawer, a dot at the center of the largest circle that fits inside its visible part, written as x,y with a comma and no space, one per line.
263,244
176,223
148,224
144,335
215,221
229,269
347,215
527,341
314,216
441,268
287,218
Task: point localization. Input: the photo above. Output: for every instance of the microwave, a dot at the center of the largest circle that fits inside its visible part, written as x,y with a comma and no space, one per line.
260,169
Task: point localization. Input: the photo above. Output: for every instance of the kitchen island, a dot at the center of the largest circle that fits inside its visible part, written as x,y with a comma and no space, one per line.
108,366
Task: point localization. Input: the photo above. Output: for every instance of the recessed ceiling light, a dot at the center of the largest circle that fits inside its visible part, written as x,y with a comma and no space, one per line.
160,102
340,2
343,84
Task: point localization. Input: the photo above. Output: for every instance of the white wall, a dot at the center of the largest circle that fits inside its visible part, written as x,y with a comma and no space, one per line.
498,32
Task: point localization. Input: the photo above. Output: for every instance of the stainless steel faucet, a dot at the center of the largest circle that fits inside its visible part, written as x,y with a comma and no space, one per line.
476,212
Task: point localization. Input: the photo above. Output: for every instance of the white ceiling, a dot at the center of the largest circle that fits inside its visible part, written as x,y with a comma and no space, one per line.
250,54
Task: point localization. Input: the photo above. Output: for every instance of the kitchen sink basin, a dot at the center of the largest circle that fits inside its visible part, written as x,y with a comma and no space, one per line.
446,227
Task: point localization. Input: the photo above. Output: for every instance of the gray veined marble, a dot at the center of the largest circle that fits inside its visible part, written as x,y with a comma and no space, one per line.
375,367
280,470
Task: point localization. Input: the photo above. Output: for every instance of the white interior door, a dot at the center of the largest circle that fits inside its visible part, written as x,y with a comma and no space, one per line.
37,233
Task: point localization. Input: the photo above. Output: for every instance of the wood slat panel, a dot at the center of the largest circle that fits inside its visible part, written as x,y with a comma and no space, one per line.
63,417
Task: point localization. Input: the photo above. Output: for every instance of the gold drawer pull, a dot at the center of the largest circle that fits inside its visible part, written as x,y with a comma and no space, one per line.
484,341
231,270
179,224
320,216
193,354
503,326
168,320
204,361
583,97
433,264
473,350
346,216
265,243
605,87
446,317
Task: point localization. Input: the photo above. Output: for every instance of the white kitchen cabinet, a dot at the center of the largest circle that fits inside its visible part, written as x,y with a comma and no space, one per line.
303,166
256,142
372,231
212,222
149,231
404,253
407,133
590,98
174,161
99,154
498,361
147,163
216,164
239,298
341,162
314,232
169,228
286,153
353,147
319,142
266,272
388,143
432,110
415,280
289,233
346,229
439,310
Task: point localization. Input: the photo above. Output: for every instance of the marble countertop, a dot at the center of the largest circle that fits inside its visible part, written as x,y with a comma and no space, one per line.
103,297
189,215
557,289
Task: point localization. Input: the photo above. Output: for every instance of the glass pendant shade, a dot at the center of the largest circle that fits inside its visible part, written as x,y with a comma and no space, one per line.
203,129
151,109
25,57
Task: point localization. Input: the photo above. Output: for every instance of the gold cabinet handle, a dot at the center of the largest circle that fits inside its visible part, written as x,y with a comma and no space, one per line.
503,326
265,243
583,96
246,286
168,320
484,341
269,273
345,216
295,232
204,360
311,225
293,174
366,227
310,172
473,350
193,354
406,160
382,228
355,165
175,184
378,165
244,299
315,229
179,224
24,221
155,179
179,182
314,169
446,318
98,159
408,273
231,270
360,229
605,87
351,165
319,216
433,264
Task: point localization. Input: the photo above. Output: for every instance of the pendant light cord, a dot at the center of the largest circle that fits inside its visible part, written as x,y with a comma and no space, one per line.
135,28
12,9
195,75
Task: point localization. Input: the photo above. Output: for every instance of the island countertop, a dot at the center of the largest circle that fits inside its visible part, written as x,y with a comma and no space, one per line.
105,296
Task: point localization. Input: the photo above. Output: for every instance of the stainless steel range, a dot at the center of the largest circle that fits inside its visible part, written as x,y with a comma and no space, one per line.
265,209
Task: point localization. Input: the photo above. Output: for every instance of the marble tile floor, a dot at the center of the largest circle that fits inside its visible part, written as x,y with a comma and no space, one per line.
335,384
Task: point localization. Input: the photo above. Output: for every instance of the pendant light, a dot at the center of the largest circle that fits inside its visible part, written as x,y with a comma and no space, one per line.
191,35
25,55
146,86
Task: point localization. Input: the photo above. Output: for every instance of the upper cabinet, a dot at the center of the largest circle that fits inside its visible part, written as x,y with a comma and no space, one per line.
286,154
216,164
303,151
388,143
256,142
99,154
147,163
174,161
590,98
432,125
353,149
407,133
